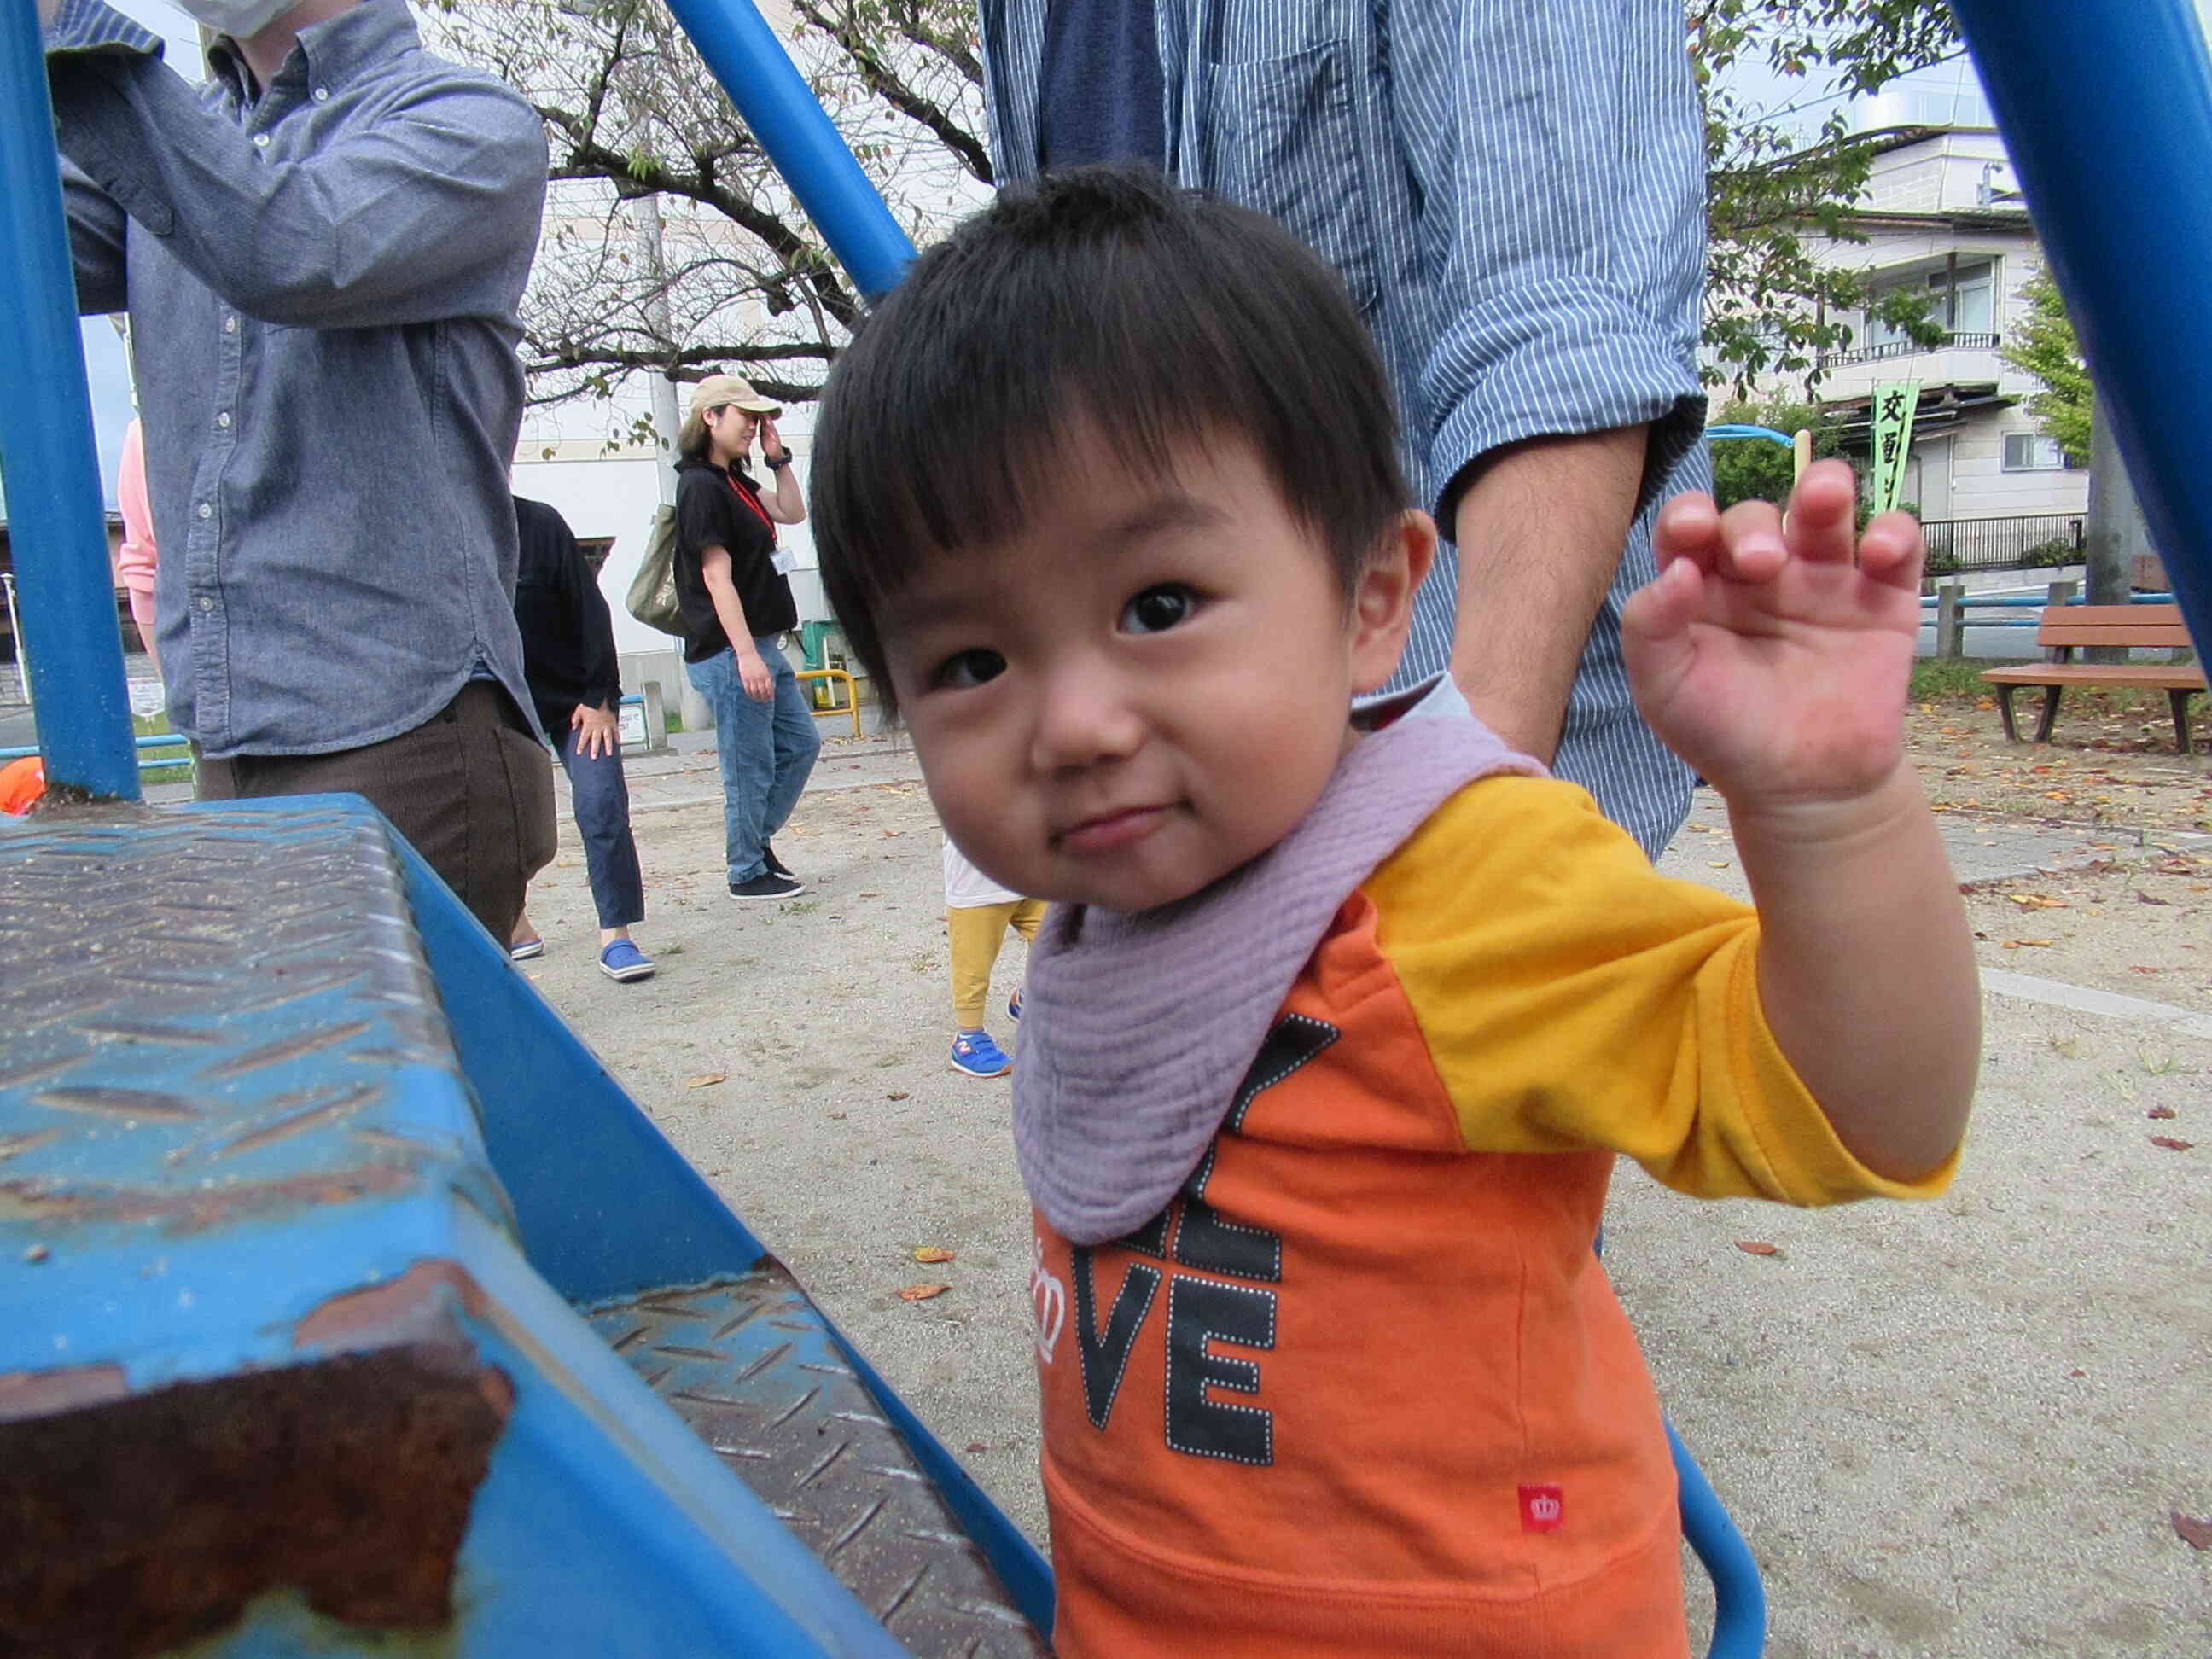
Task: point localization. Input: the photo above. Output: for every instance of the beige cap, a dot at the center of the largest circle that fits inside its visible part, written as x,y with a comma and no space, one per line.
717,390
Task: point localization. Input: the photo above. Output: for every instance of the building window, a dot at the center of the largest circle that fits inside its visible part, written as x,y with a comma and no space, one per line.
2031,451
1961,301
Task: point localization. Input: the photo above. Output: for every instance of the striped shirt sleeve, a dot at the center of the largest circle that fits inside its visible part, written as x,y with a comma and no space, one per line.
1561,164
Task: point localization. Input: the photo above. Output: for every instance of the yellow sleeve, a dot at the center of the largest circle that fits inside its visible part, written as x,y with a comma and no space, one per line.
1571,997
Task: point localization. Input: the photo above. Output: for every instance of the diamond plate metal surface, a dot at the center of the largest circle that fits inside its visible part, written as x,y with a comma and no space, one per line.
751,1366
204,1016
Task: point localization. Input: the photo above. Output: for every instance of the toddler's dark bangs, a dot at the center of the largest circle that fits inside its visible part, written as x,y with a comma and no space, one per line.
1104,298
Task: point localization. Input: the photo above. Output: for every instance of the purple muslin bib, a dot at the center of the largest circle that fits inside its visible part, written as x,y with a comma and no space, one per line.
1138,1028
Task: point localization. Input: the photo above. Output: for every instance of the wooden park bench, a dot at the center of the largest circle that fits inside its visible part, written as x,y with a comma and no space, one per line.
2066,629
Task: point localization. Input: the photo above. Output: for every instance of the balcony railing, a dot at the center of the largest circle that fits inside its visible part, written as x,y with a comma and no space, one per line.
2028,543
1876,354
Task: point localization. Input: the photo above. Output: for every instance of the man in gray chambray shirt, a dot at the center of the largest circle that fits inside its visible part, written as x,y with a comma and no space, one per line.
322,250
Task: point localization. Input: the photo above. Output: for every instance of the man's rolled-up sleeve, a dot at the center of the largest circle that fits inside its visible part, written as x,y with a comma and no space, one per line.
1559,155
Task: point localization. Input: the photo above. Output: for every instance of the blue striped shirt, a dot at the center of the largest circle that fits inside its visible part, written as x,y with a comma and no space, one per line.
1514,192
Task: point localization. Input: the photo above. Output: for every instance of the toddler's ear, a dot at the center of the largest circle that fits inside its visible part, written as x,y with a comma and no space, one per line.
1382,597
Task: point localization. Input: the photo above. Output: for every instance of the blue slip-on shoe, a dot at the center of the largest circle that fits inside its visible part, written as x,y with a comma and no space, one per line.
974,1054
523,950
623,961
1014,1006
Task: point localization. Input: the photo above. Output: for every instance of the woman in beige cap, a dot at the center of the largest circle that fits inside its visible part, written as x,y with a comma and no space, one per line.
735,606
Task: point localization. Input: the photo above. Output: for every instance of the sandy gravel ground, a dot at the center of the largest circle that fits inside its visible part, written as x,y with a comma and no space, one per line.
1956,1428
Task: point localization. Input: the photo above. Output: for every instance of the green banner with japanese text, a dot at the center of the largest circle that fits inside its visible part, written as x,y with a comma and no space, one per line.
1894,406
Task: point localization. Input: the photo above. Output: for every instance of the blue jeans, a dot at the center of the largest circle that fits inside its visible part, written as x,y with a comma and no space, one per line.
767,750
601,800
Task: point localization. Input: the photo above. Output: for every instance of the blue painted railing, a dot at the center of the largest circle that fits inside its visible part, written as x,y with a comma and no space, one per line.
2106,106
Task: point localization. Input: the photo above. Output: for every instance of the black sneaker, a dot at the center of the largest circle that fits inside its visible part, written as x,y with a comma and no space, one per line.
776,866
768,886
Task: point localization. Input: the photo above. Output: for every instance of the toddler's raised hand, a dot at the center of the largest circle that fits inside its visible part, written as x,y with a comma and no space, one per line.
1775,659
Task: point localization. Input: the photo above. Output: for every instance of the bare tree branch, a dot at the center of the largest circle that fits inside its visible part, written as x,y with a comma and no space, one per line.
742,279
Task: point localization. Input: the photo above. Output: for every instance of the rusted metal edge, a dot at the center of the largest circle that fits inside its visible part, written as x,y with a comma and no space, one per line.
133,1523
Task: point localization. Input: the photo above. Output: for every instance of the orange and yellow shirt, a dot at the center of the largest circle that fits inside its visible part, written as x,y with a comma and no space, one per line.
1362,1387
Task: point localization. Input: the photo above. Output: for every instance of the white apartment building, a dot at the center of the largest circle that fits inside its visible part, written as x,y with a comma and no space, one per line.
1943,219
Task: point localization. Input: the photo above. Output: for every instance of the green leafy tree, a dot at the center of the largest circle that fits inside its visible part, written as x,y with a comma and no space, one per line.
2043,345
1758,468
1772,306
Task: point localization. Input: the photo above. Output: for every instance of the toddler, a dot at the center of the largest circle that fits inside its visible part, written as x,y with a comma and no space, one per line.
1344,1010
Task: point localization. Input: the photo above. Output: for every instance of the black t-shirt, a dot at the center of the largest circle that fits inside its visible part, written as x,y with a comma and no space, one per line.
568,633
716,507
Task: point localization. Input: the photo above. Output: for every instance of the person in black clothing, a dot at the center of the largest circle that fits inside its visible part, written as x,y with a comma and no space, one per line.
735,606
575,681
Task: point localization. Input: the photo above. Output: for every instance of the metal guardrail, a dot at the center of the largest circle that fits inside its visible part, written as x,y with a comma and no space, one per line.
1890,349
2011,544
1951,602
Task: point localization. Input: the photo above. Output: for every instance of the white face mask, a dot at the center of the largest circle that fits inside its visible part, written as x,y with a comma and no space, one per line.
238,19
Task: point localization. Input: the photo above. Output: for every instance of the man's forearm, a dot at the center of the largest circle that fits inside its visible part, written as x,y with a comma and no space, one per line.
1540,532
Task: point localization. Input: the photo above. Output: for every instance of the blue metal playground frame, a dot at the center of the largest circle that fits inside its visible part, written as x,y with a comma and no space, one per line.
2139,318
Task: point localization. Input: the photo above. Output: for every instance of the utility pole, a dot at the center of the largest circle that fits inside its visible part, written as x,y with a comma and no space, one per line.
2116,535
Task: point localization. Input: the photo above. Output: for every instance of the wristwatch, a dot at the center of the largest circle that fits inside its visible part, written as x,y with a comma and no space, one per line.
780,462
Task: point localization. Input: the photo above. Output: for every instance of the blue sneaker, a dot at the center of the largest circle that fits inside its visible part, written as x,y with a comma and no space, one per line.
974,1054
523,949
623,961
1014,1006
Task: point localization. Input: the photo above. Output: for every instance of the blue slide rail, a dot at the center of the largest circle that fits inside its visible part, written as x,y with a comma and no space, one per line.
2144,329
2106,111
56,532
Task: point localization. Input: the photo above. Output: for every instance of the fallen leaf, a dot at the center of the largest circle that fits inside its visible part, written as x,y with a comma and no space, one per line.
922,1293
978,1445
2134,968
2161,1111
1717,864
1757,1246
704,1079
931,1253
2018,944
2197,1534
2170,1144
896,1094
2150,898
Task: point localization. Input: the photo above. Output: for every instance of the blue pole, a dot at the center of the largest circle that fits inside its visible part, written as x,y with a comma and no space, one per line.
2107,110
774,101
1731,429
55,531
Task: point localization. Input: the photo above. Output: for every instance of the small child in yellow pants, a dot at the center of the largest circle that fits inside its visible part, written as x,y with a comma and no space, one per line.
978,914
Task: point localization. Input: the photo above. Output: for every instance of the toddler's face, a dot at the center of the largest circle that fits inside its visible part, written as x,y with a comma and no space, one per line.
1145,686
